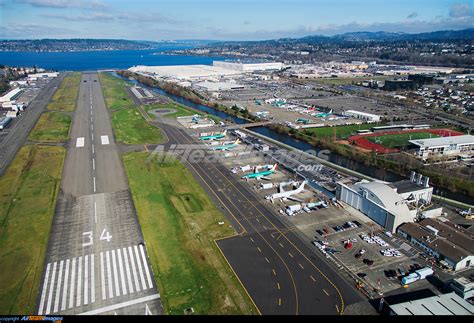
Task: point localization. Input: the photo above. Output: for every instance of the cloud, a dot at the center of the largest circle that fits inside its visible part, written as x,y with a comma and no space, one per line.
459,10
412,15
83,4
95,16
124,17
31,31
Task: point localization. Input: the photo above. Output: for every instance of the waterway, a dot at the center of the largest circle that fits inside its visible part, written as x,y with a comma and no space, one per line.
379,173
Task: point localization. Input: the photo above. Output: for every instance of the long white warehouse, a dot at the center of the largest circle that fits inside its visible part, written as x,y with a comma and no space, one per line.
362,115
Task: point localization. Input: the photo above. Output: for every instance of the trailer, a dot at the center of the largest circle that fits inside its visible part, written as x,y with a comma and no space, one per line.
417,275
5,122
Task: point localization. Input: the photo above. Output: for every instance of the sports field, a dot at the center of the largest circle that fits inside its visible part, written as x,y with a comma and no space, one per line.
399,140
180,224
340,132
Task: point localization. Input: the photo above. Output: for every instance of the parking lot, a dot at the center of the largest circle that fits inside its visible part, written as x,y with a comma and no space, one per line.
340,229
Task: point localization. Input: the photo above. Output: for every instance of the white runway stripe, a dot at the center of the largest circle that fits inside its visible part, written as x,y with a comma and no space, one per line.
109,275
134,271
73,277
51,290
102,275
92,278
58,287
122,271
80,142
122,274
147,270
45,287
66,281
116,277
79,282
86,280
104,140
140,267
127,268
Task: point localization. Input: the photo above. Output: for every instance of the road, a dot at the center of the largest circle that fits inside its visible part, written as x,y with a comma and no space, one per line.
21,128
280,272
96,262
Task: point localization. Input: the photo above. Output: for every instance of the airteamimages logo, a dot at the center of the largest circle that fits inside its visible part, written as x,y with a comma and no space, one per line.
195,153
56,319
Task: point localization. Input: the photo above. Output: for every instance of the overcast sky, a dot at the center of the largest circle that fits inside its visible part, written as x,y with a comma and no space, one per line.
225,19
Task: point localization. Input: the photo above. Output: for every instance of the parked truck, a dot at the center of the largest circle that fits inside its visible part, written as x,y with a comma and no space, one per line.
417,275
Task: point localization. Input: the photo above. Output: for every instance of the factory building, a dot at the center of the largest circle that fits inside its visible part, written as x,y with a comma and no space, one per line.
444,304
249,67
395,85
452,146
11,95
447,242
218,86
362,115
421,79
388,204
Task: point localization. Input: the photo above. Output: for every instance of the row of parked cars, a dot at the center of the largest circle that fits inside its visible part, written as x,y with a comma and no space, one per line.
339,228
390,252
373,239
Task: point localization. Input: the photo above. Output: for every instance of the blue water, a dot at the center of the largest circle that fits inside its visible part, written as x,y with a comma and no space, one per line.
83,61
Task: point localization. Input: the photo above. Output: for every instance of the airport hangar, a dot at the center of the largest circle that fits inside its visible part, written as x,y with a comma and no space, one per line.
388,204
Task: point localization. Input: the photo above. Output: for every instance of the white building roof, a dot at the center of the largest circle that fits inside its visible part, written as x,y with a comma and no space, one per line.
185,72
445,304
218,86
385,196
443,141
363,113
10,95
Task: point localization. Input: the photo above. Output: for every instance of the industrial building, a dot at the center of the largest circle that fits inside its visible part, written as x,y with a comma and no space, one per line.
463,287
447,242
421,79
11,95
218,86
445,304
249,67
362,115
184,72
388,204
395,85
444,146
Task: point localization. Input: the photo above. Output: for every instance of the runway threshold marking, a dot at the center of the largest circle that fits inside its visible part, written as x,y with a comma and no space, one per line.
80,142
104,140
122,305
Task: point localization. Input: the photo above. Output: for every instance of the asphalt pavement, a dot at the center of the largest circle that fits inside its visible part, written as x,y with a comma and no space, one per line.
22,126
96,262
280,271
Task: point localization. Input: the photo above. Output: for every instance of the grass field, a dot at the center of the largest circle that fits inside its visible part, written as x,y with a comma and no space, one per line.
180,223
131,128
66,96
341,132
28,191
52,126
115,93
399,140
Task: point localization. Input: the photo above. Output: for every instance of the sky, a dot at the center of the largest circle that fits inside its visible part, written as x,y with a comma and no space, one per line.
225,19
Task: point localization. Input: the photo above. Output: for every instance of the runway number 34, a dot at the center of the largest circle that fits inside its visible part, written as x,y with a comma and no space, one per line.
88,237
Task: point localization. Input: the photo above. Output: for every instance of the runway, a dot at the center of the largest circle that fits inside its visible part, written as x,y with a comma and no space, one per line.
21,128
96,262
281,274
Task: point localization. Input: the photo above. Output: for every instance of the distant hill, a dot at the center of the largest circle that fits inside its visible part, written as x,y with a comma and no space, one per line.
366,36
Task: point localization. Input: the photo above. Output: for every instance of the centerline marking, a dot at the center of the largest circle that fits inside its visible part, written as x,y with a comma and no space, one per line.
94,184
93,163
95,212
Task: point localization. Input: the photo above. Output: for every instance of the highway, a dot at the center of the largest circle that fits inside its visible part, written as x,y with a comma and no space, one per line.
280,272
21,128
96,261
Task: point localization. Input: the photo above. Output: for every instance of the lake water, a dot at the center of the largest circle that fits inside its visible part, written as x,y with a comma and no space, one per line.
83,61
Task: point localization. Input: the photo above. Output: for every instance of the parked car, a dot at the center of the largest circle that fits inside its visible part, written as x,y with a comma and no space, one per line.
361,275
319,232
401,271
368,262
357,223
